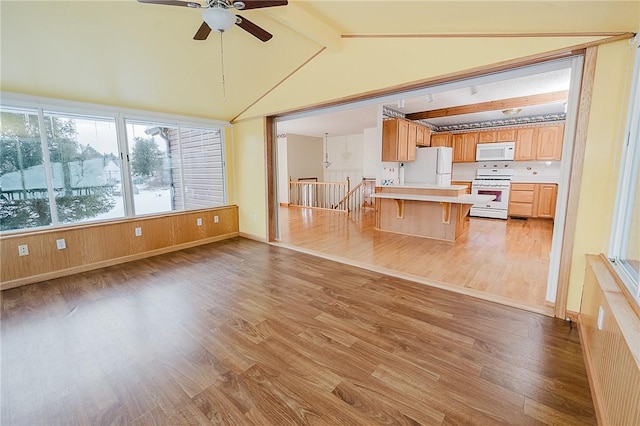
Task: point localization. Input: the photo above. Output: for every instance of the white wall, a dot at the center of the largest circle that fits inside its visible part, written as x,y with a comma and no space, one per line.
370,158
304,157
523,171
346,157
283,171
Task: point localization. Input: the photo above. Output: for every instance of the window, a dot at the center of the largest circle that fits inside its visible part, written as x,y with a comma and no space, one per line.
151,158
85,168
625,242
24,192
63,164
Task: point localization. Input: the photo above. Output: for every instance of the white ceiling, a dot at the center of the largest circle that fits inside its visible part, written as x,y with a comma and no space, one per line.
353,119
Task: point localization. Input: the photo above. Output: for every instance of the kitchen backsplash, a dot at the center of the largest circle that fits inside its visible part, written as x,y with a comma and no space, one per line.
523,171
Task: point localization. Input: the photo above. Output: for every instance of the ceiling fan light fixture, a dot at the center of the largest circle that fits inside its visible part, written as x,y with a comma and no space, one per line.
218,19
511,111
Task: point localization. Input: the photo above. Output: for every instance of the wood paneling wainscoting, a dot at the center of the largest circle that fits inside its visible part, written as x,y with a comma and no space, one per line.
98,245
612,352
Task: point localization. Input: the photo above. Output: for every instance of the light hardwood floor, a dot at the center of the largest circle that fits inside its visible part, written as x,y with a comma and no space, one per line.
245,333
506,261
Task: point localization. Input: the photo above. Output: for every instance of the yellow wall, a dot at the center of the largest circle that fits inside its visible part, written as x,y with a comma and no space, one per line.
365,65
249,175
601,162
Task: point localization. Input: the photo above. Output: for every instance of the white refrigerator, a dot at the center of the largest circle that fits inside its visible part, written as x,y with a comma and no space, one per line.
432,166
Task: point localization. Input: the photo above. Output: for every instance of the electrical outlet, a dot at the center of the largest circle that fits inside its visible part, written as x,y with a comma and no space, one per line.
255,217
199,221
216,219
138,232
600,318
23,250
61,244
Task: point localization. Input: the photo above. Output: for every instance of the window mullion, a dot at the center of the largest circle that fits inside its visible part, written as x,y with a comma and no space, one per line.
183,187
125,174
46,161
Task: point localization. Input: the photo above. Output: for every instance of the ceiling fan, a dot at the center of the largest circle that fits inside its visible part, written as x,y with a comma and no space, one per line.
217,15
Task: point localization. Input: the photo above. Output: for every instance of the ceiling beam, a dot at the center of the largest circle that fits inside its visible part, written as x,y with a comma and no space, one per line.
522,101
298,19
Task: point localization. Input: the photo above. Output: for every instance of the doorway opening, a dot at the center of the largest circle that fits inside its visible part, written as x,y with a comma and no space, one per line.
514,261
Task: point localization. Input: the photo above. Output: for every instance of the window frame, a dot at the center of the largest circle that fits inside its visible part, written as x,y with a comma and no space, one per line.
120,116
626,184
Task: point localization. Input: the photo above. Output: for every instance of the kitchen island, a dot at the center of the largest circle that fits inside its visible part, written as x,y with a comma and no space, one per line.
424,210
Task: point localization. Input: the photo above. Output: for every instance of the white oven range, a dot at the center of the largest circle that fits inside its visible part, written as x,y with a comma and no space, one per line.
496,182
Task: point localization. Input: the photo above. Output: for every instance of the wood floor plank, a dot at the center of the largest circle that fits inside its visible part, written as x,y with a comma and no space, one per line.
504,258
244,333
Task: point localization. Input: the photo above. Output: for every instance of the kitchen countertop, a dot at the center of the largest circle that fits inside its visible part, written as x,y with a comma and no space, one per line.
460,199
423,186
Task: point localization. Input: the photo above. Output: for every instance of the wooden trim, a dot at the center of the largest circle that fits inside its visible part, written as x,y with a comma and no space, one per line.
596,393
233,120
252,237
6,235
454,76
623,288
271,170
89,267
284,204
575,180
573,316
543,98
491,35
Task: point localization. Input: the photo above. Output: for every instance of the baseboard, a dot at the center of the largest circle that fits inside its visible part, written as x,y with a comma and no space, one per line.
103,264
252,237
573,316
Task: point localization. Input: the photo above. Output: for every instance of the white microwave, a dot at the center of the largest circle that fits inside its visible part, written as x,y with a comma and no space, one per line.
495,151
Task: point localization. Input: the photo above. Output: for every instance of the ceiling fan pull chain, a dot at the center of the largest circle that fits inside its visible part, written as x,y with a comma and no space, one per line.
224,89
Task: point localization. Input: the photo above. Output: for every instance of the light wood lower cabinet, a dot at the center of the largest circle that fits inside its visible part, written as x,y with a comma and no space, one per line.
465,183
533,200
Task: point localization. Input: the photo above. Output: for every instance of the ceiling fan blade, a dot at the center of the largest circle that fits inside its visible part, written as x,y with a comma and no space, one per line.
253,29
256,4
203,32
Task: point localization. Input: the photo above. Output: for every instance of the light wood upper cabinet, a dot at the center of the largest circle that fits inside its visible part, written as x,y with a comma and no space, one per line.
398,140
464,147
441,139
488,136
525,144
549,142
506,135
423,136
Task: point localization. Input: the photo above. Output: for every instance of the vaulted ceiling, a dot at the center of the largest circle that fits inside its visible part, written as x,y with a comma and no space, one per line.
142,56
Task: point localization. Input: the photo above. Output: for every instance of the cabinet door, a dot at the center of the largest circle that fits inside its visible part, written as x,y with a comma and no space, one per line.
469,147
441,139
525,144
547,194
487,136
394,139
409,151
549,142
458,148
506,135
